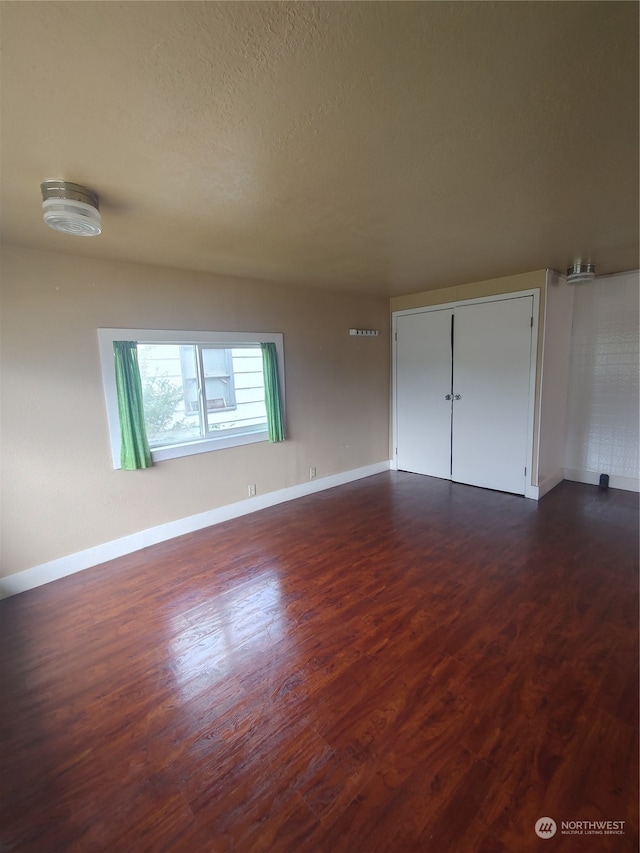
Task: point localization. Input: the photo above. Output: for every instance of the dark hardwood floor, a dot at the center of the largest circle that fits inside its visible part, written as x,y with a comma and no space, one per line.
397,664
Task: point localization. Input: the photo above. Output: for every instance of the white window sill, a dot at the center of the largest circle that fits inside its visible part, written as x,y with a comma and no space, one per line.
174,451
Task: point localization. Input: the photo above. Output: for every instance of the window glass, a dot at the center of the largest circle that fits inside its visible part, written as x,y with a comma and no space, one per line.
193,392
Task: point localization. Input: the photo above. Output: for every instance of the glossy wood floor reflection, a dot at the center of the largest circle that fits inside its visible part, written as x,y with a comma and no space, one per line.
397,664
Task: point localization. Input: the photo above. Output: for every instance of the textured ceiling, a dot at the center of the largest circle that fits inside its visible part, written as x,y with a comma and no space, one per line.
375,147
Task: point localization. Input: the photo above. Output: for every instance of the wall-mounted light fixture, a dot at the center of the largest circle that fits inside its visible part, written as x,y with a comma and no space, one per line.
70,208
581,273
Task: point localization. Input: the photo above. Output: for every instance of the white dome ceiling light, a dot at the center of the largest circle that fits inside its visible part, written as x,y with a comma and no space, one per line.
581,273
70,208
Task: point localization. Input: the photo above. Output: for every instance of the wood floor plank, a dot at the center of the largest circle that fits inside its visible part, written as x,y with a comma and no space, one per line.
397,664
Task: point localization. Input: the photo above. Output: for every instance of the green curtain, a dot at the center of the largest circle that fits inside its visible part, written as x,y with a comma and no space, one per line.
272,398
134,449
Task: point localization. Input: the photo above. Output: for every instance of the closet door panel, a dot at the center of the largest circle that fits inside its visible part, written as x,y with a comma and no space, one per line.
491,373
423,379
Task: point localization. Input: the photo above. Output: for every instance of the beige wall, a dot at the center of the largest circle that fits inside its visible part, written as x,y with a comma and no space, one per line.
473,290
60,494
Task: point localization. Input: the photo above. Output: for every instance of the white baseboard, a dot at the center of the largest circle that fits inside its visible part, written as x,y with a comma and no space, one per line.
547,483
60,568
629,484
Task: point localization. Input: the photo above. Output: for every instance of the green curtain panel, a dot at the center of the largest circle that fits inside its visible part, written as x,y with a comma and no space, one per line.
134,452
272,398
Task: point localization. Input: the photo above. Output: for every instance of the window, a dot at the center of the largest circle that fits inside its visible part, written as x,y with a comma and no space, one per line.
194,391
212,369
201,390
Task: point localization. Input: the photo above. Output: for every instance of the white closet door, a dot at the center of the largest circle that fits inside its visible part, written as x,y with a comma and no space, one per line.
423,380
491,374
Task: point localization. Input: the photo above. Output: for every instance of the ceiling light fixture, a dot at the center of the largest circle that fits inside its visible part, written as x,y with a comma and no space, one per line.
70,208
581,273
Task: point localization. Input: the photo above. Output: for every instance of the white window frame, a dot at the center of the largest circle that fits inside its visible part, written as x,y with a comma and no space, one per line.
106,337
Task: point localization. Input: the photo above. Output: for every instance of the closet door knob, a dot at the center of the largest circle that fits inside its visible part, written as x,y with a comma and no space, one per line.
457,396
448,396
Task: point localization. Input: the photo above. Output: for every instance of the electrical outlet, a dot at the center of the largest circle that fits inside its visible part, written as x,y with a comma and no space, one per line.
252,490
312,473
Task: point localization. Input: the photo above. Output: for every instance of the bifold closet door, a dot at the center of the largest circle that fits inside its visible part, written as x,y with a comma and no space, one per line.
423,381
491,376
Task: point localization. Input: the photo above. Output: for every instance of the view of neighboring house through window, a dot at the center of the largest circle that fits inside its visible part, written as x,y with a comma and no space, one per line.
199,391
